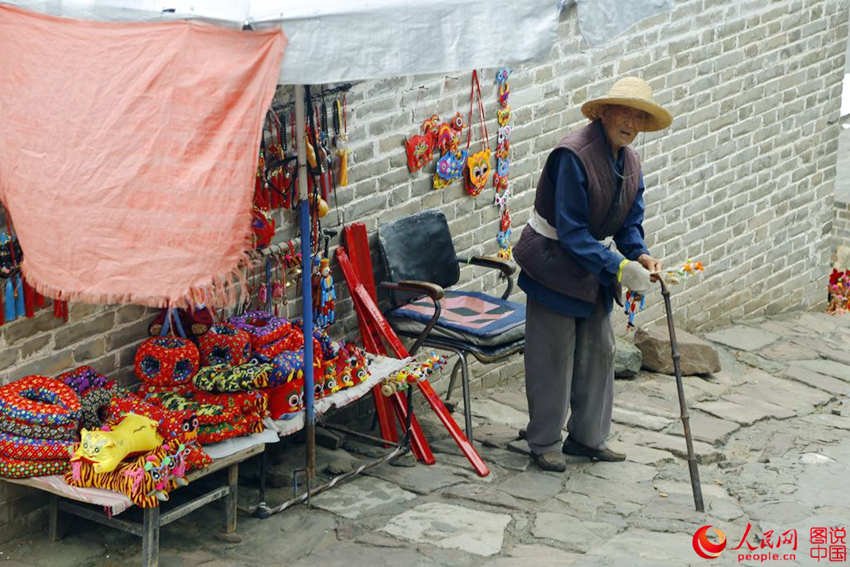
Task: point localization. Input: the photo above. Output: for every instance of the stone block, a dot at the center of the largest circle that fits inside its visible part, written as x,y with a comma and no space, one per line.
33,346
451,527
743,338
71,334
90,350
627,359
52,365
21,328
696,355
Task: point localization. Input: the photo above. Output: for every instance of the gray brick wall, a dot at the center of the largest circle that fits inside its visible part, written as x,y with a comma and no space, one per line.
743,180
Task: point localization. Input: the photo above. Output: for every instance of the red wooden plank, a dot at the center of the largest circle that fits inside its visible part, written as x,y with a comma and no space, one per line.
418,444
357,243
372,344
453,428
368,308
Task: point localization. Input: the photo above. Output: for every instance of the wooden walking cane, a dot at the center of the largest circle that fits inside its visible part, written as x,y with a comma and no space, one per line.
683,407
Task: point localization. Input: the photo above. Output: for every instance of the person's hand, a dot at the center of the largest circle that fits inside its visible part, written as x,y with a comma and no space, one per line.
652,265
636,277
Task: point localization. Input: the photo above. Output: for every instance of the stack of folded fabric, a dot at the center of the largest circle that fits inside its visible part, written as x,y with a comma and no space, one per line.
39,420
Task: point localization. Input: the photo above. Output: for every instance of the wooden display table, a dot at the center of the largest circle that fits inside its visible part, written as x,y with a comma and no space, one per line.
83,502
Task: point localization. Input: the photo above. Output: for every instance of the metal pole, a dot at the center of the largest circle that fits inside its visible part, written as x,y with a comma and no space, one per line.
683,406
306,290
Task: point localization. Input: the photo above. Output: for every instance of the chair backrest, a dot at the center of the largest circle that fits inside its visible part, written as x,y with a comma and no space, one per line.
419,247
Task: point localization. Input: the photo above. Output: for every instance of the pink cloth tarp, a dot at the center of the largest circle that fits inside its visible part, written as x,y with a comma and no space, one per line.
128,153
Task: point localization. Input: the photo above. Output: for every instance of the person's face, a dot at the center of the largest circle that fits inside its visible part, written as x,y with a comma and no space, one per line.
622,124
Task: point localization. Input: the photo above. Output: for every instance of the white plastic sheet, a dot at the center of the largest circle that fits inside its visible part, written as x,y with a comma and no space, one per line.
343,40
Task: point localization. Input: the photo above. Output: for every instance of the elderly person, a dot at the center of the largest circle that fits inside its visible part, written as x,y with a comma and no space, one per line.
591,188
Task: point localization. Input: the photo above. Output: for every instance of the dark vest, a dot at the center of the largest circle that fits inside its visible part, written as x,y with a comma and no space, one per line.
546,260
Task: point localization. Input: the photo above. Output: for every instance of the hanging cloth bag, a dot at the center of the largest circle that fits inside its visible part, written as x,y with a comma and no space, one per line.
477,170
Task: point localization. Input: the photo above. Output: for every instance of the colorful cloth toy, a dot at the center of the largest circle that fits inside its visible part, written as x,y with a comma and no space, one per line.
324,297
166,361
95,404
35,431
224,344
223,378
16,447
477,169
195,323
502,173
95,391
412,373
181,426
105,449
82,378
285,366
170,424
242,425
221,416
262,327
146,479
23,468
286,400
39,400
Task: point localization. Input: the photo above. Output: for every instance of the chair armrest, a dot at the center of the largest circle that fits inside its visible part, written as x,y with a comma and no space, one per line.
507,270
490,262
432,290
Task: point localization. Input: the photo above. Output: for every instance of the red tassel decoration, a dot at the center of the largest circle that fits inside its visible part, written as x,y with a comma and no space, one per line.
29,299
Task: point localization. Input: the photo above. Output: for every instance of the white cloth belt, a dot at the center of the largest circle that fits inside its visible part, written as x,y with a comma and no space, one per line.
542,227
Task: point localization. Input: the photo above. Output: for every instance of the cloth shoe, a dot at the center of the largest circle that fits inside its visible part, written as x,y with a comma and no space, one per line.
573,447
551,461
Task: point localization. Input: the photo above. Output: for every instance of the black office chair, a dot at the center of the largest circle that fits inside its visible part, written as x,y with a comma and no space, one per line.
419,258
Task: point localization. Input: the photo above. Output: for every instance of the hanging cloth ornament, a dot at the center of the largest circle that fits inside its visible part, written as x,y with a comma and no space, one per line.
451,164
341,143
477,171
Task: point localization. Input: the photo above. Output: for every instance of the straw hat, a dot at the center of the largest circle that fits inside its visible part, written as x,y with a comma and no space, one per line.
634,93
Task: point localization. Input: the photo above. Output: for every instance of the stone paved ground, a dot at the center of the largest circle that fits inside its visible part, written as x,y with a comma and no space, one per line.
771,432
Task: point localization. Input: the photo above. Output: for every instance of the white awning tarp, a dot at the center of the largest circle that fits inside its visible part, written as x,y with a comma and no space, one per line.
343,40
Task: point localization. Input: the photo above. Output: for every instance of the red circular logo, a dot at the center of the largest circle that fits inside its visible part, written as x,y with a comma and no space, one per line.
704,547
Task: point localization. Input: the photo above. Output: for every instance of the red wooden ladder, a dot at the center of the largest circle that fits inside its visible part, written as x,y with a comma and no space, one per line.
356,265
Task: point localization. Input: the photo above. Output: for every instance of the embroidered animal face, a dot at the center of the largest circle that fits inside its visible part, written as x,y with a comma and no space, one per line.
448,139
293,393
450,166
503,116
420,150
478,168
504,134
343,370
94,445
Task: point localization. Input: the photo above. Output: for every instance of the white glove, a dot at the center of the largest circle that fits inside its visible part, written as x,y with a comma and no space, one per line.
636,277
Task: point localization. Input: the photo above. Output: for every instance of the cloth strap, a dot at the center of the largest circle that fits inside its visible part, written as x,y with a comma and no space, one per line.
476,88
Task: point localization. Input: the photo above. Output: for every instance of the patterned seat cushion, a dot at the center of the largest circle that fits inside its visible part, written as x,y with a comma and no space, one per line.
472,317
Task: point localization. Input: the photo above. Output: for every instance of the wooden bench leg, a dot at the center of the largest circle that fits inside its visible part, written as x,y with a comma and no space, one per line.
231,500
54,530
150,537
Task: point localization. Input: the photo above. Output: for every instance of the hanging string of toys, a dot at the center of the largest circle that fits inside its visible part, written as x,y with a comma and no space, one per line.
412,373
500,176
635,303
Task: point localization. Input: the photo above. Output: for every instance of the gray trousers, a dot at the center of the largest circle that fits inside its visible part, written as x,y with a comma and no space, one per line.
569,363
